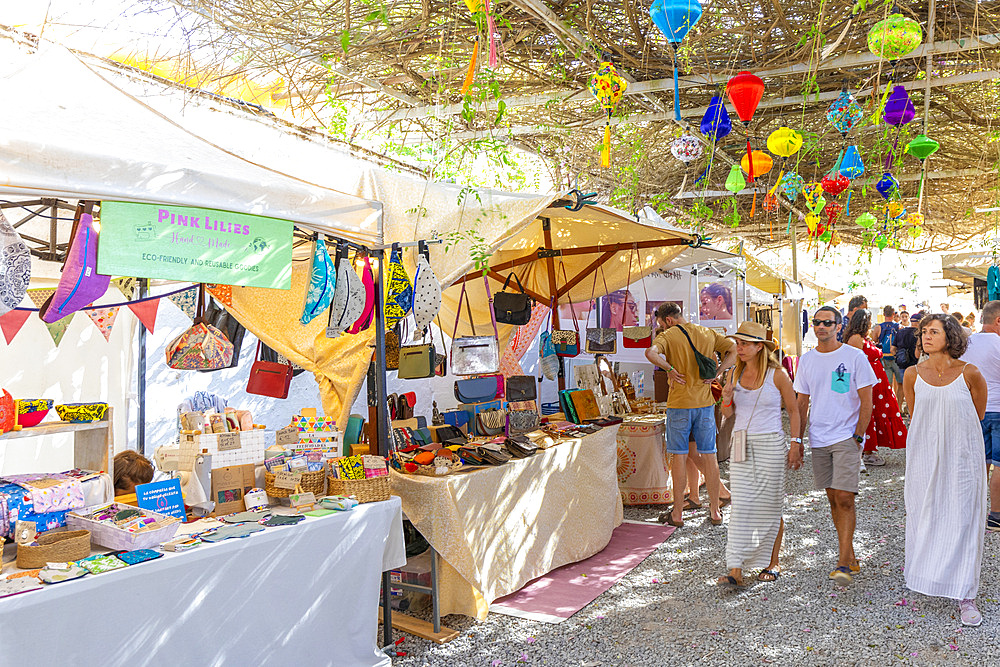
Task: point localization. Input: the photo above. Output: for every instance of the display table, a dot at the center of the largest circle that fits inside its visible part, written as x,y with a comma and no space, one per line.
643,462
498,528
305,594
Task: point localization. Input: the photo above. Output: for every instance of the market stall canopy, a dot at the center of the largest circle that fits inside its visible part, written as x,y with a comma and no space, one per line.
965,267
69,132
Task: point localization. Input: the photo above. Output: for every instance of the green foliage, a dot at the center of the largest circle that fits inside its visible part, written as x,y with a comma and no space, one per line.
479,251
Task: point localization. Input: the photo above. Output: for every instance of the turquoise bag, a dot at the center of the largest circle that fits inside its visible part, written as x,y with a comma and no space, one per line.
322,282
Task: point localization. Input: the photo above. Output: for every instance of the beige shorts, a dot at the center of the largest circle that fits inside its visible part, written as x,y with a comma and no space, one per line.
837,466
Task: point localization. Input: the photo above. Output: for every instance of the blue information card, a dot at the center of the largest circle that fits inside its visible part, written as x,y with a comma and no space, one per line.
163,497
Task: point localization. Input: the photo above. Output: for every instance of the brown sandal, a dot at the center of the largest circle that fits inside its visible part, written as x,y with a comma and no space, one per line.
666,517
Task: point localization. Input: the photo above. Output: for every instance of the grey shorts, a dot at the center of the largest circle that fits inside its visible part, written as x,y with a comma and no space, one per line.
892,369
837,466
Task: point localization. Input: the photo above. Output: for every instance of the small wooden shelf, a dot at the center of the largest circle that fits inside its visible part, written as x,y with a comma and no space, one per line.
50,428
93,442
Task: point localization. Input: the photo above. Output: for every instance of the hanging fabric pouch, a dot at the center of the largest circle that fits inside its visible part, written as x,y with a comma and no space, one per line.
222,319
268,378
399,296
636,337
80,284
474,355
368,312
348,298
512,307
549,359
566,342
201,346
15,267
322,280
392,350
426,291
600,340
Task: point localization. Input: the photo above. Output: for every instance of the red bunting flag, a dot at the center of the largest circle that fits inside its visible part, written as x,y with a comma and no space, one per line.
146,312
11,322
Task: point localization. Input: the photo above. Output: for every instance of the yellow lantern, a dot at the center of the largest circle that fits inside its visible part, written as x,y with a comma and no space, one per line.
784,142
608,87
835,238
812,221
914,231
915,219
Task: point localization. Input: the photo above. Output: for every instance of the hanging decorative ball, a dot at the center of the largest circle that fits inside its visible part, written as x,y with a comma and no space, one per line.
735,181
922,147
851,165
812,222
866,220
826,236
686,148
715,124
608,87
915,231
835,183
881,241
791,184
762,163
833,210
899,109
771,203
887,186
745,90
784,142
844,113
916,219
895,210
675,18
895,37
812,193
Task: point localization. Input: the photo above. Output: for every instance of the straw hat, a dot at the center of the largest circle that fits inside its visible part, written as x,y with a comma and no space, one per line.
752,332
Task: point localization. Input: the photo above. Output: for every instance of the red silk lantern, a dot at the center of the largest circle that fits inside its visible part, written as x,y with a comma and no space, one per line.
833,210
745,90
835,183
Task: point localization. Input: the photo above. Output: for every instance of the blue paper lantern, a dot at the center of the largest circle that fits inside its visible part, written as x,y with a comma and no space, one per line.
887,186
851,165
715,124
675,18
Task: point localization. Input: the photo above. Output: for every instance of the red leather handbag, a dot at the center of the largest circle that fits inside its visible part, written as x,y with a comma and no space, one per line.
268,378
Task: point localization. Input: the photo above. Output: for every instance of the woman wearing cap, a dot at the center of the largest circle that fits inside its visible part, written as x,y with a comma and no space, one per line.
754,392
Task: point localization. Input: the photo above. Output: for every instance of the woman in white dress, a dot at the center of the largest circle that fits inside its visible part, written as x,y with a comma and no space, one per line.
945,489
754,392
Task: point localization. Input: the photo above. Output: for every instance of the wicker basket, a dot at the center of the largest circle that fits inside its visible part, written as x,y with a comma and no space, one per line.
54,548
370,490
111,536
311,482
440,464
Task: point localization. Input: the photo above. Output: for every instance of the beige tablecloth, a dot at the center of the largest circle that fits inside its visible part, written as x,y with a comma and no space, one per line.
498,528
643,462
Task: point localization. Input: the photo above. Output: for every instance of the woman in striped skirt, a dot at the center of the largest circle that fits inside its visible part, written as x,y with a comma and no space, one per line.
754,392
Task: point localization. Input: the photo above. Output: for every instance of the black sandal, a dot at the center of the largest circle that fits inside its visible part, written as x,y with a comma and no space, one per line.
772,574
730,582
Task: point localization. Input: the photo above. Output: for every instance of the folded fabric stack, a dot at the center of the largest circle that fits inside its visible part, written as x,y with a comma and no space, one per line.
46,498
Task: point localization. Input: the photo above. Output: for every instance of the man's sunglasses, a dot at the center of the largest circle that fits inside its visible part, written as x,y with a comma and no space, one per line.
825,323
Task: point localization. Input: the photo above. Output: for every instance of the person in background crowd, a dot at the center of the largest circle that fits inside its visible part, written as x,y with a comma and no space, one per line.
690,405
945,487
970,322
944,308
904,318
906,348
856,303
754,393
839,379
961,322
885,335
984,353
886,427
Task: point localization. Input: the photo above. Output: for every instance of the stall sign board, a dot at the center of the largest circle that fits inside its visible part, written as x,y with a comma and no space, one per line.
287,480
194,244
163,497
287,436
229,441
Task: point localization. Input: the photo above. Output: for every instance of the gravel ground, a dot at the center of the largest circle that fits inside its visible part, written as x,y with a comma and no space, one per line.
668,609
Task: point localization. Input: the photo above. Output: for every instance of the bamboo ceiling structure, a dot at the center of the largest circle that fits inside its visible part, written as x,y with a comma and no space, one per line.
405,61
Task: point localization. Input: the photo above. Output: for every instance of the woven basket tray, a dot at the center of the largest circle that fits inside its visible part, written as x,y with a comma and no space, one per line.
311,482
111,536
365,490
54,548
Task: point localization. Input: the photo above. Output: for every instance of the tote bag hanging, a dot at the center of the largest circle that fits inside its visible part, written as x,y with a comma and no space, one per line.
566,342
201,346
268,378
637,336
600,340
474,355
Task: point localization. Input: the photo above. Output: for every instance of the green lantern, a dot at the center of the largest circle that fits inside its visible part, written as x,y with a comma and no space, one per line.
895,37
881,241
922,147
826,236
866,220
735,181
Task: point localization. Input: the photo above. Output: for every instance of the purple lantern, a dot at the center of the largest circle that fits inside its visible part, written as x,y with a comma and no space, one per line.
898,108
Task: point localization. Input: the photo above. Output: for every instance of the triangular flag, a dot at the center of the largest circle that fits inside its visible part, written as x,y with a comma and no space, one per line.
126,286
12,322
58,328
146,312
187,301
224,293
104,319
40,295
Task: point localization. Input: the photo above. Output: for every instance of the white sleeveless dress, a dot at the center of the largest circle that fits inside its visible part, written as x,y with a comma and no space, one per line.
945,492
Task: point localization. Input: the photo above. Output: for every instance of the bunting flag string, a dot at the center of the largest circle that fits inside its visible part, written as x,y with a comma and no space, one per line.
103,319
145,311
58,328
12,321
186,301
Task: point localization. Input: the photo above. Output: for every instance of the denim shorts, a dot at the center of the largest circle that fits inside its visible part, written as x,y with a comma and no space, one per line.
991,434
686,424
892,369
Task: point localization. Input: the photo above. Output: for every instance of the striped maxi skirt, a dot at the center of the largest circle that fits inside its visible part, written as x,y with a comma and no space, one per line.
758,488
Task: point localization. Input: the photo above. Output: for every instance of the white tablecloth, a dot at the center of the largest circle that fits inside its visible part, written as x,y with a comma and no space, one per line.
498,528
305,594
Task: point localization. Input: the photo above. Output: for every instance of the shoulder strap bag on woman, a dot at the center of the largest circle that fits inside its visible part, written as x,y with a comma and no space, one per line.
600,340
637,336
474,355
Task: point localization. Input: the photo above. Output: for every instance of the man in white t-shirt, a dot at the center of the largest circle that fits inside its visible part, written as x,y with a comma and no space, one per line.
984,353
838,379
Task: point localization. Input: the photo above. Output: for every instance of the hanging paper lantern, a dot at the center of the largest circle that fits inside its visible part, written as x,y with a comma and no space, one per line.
898,108
922,147
833,210
915,231
916,219
745,90
771,203
866,220
812,193
608,87
715,124
851,165
881,241
784,142
887,186
791,184
826,236
686,148
818,205
895,37
844,113
735,181
835,241
812,222
762,163
895,210
835,183
674,18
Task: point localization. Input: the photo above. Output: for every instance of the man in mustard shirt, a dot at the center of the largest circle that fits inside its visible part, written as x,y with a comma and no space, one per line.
690,406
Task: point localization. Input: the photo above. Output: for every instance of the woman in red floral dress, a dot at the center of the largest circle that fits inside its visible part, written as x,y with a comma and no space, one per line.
886,428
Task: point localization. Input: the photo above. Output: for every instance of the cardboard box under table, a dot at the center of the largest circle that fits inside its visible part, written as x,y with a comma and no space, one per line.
556,507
